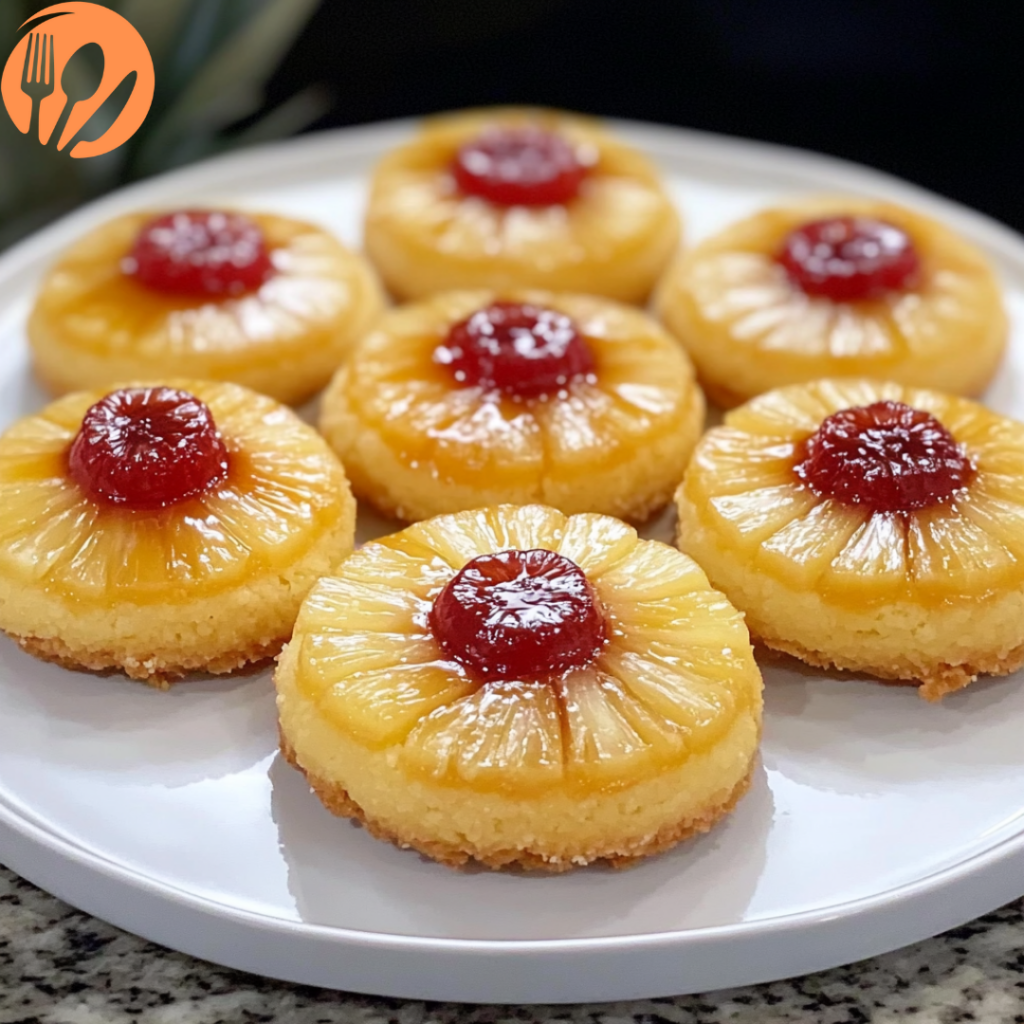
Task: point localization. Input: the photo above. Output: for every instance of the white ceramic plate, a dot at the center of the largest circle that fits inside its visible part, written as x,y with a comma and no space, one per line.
874,821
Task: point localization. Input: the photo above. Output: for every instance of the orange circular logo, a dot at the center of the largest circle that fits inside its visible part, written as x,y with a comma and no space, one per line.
80,80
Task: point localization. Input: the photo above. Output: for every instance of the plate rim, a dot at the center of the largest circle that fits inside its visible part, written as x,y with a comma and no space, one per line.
530,971
959,882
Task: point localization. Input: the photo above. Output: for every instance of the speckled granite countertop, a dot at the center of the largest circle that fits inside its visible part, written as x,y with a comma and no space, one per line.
58,966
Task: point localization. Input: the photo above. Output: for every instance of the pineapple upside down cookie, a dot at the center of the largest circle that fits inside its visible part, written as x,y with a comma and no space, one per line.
519,198
830,287
264,301
164,529
473,398
516,686
867,526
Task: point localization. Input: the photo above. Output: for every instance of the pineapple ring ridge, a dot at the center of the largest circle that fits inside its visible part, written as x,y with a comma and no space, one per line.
675,672
209,583
614,238
91,325
750,329
931,595
264,513
416,443
651,742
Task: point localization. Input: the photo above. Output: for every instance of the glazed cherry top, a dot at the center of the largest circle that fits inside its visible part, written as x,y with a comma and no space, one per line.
147,448
850,259
525,166
200,253
887,457
518,615
520,349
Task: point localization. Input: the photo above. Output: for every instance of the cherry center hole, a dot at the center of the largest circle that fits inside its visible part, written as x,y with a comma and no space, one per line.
525,166
886,456
200,253
519,615
850,259
147,448
517,348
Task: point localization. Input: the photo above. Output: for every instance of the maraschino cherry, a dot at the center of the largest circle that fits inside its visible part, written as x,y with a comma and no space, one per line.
147,448
518,348
518,615
850,259
525,166
200,253
887,457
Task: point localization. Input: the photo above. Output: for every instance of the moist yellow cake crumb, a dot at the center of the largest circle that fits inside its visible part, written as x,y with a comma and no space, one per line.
749,328
92,326
416,443
423,236
162,641
205,584
615,759
932,595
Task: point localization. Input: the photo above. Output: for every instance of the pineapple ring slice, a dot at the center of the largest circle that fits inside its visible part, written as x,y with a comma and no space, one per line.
934,596
209,583
749,329
650,742
613,239
417,444
92,326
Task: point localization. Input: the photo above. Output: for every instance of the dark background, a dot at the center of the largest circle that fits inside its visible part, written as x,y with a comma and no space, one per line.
931,90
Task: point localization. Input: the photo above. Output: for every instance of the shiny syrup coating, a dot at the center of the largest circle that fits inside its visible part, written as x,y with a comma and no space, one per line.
147,448
850,259
200,253
519,615
887,457
517,348
525,166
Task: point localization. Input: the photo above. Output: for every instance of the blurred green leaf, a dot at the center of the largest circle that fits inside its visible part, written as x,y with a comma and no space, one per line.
212,60
286,118
158,22
12,14
228,85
